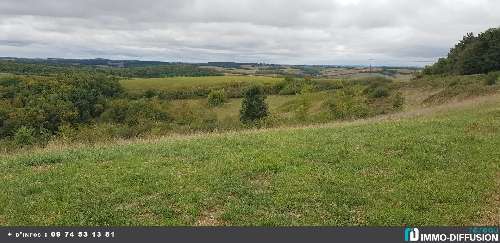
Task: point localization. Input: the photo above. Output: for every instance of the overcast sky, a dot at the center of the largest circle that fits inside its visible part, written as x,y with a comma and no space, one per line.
402,32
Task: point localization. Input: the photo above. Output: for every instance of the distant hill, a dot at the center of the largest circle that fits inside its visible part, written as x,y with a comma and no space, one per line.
87,62
472,55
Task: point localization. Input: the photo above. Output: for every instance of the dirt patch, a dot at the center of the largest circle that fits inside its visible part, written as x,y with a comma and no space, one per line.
375,172
483,128
148,216
3,221
491,217
210,217
358,216
261,181
42,168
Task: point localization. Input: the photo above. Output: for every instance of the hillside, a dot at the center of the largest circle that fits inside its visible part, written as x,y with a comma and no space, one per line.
428,166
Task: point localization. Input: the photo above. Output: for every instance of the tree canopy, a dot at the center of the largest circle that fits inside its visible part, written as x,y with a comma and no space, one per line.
472,55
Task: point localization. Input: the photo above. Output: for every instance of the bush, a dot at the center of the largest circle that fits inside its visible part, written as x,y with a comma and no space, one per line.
379,92
301,112
308,88
491,78
150,93
397,101
291,86
46,103
135,112
189,116
348,104
216,98
253,106
25,136
4,117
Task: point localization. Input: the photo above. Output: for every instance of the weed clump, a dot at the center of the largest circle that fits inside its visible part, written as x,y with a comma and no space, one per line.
216,98
491,78
25,136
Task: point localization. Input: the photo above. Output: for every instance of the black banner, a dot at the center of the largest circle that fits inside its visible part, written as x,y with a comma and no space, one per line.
249,234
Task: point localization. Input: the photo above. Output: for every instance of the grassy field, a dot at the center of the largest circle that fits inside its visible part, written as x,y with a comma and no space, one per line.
435,166
280,106
141,84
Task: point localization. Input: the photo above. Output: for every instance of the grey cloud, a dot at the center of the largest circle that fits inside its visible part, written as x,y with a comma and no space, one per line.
284,31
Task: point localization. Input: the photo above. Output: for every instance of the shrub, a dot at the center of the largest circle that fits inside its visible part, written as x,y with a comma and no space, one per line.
216,98
491,78
291,86
150,93
191,116
379,92
4,116
301,112
134,112
322,84
253,106
24,136
397,101
348,104
308,88
46,103
376,87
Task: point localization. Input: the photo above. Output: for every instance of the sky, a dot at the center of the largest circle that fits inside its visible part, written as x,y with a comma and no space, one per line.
335,32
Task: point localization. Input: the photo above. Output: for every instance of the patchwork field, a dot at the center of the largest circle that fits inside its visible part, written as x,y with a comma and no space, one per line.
174,83
435,166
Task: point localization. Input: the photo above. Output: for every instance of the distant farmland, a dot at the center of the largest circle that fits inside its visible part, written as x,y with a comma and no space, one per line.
175,83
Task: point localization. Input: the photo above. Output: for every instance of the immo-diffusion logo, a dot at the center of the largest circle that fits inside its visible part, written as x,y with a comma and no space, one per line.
475,234
412,234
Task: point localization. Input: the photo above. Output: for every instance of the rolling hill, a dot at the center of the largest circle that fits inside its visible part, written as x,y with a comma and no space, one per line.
427,166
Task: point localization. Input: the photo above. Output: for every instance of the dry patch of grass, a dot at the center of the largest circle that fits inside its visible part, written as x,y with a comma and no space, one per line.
43,168
210,217
491,216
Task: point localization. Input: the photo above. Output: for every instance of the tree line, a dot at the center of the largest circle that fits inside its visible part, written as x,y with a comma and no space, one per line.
472,55
154,71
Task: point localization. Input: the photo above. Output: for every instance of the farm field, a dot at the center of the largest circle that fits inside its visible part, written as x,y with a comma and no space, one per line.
174,83
435,166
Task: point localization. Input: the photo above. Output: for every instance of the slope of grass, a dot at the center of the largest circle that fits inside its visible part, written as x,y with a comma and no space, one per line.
439,168
174,83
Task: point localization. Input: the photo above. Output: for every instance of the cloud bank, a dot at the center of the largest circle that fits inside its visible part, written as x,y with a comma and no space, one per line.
273,31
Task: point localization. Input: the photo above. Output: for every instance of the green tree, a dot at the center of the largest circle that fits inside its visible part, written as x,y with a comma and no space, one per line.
253,106
472,55
46,103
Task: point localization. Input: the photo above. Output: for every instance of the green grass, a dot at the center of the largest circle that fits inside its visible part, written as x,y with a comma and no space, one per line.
282,108
439,89
175,83
439,168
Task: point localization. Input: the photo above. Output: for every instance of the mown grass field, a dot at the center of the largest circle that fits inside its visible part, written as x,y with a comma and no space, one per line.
175,83
436,166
